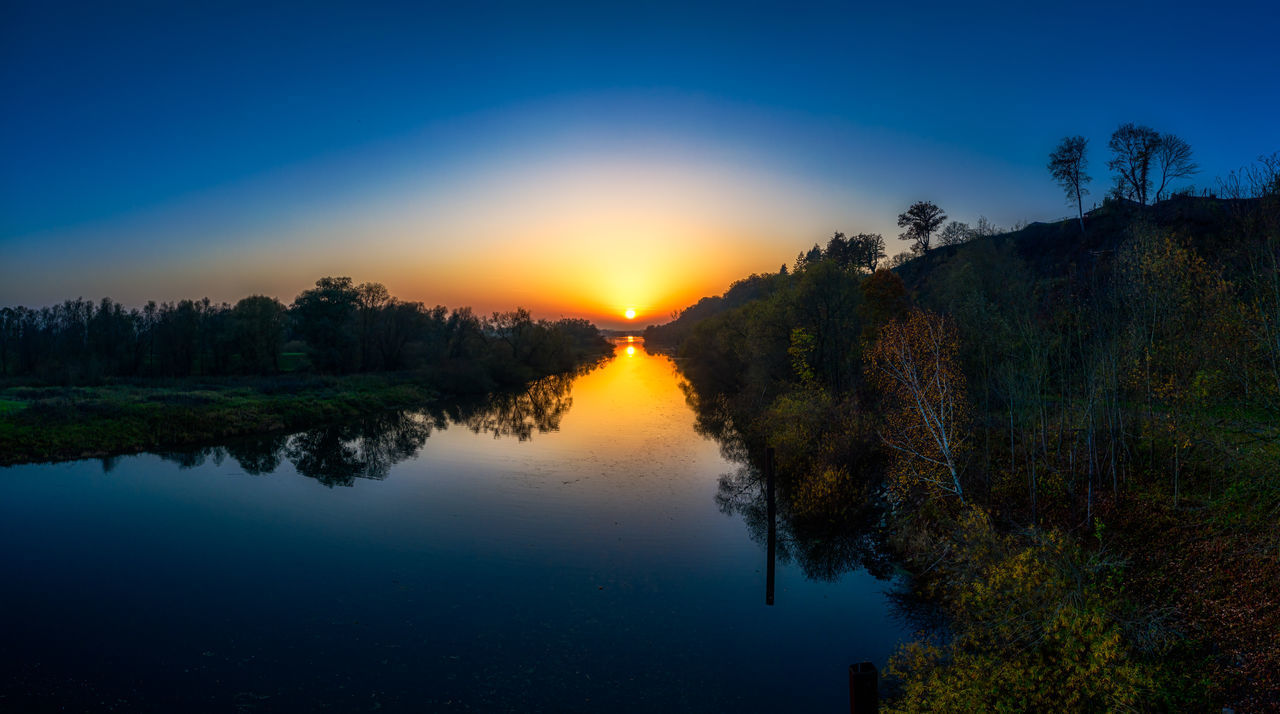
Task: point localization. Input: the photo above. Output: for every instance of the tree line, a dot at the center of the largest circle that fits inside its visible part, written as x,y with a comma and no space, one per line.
335,327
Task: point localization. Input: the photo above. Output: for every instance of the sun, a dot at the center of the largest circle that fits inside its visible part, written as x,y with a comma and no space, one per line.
630,313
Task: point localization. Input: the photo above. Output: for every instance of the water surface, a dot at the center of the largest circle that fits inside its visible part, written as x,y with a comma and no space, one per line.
559,550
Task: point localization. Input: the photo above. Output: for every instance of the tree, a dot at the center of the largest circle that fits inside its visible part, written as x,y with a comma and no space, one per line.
259,332
1034,631
324,317
806,258
867,250
914,365
838,250
920,220
1133,148
1068,164
826,307
884,297
955,233
985,228
371,298
8,332
1173,158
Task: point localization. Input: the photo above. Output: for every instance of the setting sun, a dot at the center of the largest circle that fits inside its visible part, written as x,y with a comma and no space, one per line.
630,313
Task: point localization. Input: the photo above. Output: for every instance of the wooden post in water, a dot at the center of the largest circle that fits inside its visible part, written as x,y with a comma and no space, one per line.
864,689
773,525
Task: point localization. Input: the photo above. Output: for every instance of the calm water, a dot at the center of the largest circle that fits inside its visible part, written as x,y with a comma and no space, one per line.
559,550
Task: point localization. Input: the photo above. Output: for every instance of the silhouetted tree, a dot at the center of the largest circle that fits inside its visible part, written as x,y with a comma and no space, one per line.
259,333
837,249
1068,164
868,250
398,323
921,220
323,317
1173,160
955,233
985,227
1133,148
370,299
8,335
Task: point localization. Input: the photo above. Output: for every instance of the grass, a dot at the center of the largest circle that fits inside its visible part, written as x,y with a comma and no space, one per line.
58,423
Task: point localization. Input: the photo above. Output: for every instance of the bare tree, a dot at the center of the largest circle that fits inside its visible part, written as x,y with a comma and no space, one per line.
1133,148
1068,164
1173,157
920,220
955,233
985,227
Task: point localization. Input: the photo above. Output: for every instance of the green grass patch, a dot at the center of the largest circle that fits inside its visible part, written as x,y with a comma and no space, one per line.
59,423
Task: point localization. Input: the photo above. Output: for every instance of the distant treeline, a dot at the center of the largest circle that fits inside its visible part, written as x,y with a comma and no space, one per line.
337,327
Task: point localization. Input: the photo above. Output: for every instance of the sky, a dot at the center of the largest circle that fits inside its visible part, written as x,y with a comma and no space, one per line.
576,159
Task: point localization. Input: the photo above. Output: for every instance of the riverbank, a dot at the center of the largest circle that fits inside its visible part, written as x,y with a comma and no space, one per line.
1074,438
56,423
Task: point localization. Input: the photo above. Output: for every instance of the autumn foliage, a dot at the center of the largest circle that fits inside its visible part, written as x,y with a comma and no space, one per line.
926,411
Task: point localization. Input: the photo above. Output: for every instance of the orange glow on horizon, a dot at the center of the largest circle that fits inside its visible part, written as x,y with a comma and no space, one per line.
618,239
587,235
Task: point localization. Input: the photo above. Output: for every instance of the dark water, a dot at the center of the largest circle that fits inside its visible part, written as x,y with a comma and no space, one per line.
560,550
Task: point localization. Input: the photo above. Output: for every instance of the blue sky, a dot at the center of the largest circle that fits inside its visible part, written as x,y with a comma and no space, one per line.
167,150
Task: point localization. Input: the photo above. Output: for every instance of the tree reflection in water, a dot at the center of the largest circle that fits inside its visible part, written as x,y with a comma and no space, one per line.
539,408
338,454
258,454
842,535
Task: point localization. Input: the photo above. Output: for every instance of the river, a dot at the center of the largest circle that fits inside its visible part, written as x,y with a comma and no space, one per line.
563,549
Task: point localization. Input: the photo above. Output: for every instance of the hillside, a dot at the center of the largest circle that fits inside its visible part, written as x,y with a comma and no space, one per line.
1082,429
1046,250
1211,225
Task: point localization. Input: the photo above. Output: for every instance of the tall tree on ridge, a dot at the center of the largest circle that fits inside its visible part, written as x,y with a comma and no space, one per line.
1133,148
920,220
1068,164
1173,156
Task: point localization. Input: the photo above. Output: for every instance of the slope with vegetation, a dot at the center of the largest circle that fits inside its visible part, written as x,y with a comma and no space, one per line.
1073,431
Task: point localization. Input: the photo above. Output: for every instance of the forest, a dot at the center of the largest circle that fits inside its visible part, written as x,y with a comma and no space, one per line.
337,327
85,379
1069,434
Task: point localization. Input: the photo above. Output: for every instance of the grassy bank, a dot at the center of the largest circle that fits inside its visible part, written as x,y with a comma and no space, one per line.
59,423
56,423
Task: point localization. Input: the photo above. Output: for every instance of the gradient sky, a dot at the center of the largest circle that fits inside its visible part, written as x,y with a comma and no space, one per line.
577,160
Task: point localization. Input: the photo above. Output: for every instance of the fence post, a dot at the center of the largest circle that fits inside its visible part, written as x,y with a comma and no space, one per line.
864,689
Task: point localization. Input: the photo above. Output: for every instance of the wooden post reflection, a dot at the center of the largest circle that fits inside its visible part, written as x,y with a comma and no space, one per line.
773,526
